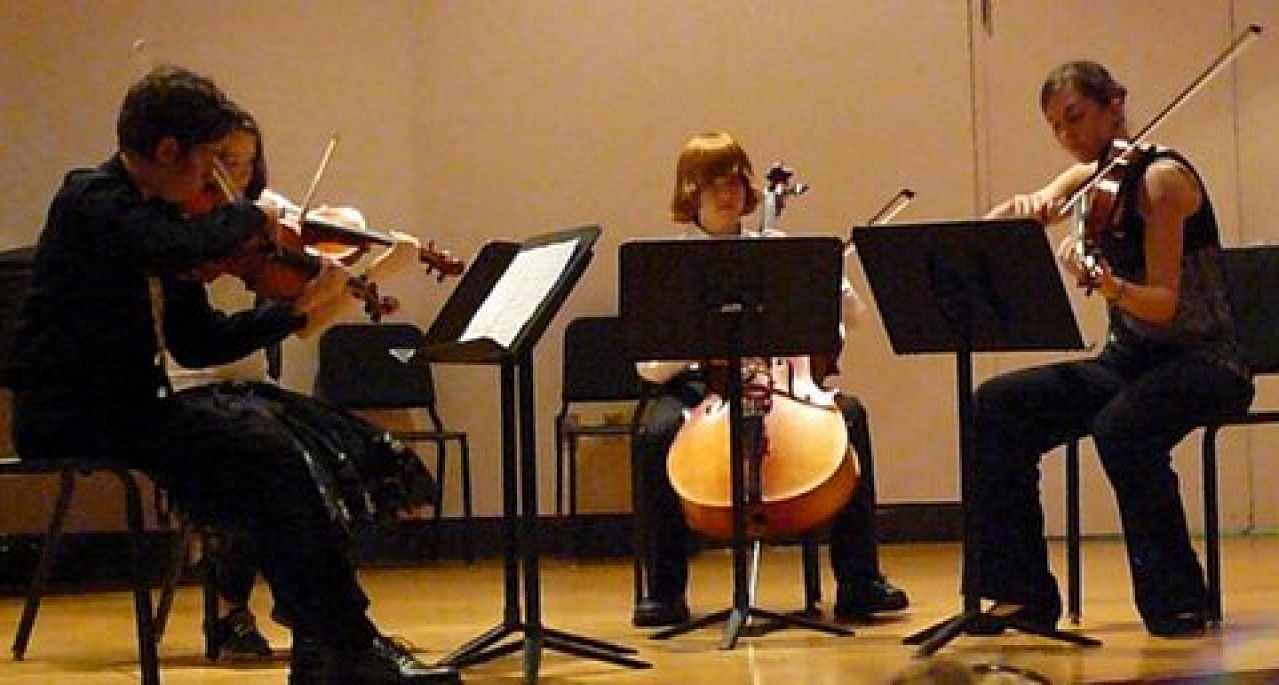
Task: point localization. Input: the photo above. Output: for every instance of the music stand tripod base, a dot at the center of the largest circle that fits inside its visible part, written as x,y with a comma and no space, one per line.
937,636
737,621
489,646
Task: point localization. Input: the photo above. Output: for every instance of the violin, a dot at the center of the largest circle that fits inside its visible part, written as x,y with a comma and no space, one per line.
1094,205
340,241
1101,210
278,267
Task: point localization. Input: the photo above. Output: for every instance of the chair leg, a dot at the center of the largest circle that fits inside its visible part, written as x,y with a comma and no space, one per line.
559,465
1074,579
812,577
441,482
48,550
468,507
209,593
575,525
148,655
572,477
639,527
1212,524
173,574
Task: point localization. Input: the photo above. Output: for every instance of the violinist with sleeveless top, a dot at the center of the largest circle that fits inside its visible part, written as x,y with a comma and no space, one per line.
1171,362
111,292
713,191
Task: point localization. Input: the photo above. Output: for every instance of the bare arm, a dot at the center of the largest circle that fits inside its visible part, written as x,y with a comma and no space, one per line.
1169,195
1046,203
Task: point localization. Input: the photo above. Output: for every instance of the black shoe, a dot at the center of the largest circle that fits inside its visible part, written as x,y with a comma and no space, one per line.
381,662
863,599
235,637
385,662
281,616
1184,624
1028,618
314,662
655,613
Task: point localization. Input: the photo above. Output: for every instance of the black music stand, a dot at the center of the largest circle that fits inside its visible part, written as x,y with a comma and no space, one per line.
738,297
496,315
965,287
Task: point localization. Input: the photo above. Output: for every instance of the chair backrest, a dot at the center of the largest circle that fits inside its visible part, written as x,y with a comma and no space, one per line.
1252,283
15,278
374,366
596,367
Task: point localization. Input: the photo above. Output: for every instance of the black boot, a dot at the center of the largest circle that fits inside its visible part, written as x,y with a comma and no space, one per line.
235,637
313,663
383,662
864,598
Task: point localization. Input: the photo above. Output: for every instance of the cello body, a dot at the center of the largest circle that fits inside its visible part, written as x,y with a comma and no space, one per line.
807,469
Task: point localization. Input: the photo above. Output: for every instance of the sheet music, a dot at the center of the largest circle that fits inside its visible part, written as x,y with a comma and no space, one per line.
517,294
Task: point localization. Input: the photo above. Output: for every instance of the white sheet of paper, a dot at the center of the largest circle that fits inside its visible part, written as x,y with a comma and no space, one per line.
517,294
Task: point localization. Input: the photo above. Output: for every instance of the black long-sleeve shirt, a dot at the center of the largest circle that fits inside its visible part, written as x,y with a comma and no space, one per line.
87,337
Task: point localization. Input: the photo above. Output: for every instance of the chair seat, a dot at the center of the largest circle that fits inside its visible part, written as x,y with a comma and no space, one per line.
1252,418
83,465
601,429
411,435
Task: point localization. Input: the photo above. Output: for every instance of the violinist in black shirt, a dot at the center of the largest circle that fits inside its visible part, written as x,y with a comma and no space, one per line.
111,292
1171,362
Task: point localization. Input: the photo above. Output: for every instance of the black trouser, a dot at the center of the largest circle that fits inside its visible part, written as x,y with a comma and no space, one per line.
1136,413
233,565
853,550
226,465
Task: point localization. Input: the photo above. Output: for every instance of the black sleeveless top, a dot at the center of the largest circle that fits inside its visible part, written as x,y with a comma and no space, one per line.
1202,325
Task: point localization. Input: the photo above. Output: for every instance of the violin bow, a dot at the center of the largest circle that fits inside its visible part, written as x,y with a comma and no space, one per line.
892,208
1224,59
319,174
223,178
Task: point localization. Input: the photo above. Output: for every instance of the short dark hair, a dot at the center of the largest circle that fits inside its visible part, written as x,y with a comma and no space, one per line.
173,101
1088,78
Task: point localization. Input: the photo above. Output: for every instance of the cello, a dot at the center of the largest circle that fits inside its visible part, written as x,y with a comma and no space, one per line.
800,469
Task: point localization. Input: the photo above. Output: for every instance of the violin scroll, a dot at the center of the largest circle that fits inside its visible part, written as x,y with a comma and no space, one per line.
441,262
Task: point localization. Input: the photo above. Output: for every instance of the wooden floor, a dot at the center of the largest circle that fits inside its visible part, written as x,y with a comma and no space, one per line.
88,639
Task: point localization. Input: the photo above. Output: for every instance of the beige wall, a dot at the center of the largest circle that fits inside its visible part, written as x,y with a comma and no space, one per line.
469,121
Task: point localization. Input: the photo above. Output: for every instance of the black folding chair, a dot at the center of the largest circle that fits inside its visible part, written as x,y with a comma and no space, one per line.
1252,279
596,370
378,366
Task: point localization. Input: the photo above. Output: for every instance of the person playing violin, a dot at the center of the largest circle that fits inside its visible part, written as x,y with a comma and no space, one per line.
228,555
1171,362
713,191
111,292
233,634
